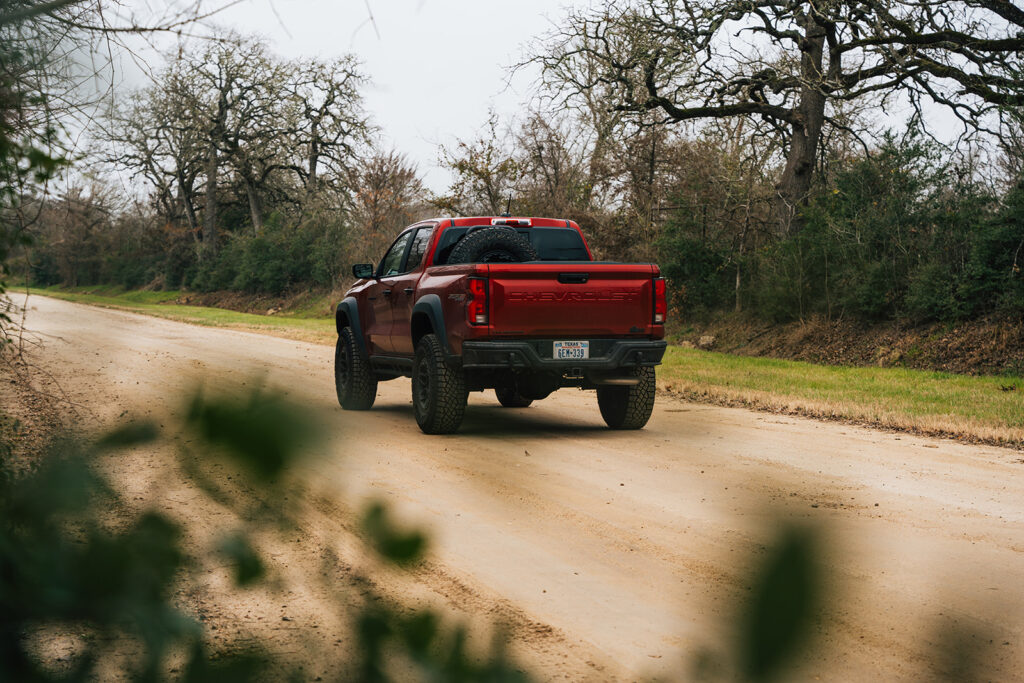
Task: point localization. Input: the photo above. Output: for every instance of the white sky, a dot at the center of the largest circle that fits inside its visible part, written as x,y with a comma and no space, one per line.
436,68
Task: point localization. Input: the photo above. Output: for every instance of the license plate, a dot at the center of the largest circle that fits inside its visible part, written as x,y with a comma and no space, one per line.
571,350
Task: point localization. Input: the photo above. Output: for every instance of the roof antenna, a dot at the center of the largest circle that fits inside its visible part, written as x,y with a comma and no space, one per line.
508,208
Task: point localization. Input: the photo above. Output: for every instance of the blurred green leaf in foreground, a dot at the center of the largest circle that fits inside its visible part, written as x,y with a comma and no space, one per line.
71,563
784,607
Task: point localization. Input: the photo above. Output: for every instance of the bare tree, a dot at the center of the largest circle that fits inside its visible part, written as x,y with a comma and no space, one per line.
485,170
235,90
387,193
152,135
1011,146
331,125
788,63
233,115
556,169
72,224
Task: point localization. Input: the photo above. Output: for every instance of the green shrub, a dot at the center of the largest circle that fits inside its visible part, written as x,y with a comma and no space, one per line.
899,233
780,280
697,273
995,270
932,293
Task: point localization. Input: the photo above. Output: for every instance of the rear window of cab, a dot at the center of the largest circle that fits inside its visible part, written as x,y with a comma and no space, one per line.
552,244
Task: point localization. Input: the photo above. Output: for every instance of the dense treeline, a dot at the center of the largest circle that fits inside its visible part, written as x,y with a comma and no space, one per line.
903,233
770,187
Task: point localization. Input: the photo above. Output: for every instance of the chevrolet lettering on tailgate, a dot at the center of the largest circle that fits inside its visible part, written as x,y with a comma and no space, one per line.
568,297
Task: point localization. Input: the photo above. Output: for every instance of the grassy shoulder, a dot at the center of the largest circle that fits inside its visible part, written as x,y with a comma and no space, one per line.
981,408
317,330
989,409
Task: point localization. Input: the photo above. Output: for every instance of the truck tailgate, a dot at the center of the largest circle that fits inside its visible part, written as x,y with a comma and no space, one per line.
571,299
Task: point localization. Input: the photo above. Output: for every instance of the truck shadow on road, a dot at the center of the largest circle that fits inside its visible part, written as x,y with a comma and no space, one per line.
495,421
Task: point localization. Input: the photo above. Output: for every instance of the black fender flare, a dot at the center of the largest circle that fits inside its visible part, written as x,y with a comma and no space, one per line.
347,315
430,306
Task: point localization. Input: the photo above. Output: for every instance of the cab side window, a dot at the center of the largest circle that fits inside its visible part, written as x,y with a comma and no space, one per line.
392,262
419,248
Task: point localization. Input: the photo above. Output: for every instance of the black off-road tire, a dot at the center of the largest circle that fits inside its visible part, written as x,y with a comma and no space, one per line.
438,390
353,379
510,398
493,245
628,407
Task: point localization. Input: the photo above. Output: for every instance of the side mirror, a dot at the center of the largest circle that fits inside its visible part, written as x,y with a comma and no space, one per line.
363,271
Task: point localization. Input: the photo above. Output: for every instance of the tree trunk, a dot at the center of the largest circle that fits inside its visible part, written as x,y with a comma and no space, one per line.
651,167
255,205
210,212
314,160
739,262
190,212
795,185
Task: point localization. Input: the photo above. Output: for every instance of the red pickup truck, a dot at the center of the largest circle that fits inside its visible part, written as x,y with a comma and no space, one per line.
517,305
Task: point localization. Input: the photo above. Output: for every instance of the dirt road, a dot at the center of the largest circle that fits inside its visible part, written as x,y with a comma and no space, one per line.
617,555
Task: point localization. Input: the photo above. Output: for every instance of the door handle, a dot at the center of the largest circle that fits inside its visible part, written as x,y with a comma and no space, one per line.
387,292
408,291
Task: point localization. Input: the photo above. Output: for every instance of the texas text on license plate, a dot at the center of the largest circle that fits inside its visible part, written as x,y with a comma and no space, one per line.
571,350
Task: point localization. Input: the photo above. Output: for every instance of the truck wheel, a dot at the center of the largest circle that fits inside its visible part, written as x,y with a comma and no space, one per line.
510,398
493,245
628,407
355,383
438,390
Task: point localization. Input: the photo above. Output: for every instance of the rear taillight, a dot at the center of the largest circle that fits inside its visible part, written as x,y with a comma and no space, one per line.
476,302
660,304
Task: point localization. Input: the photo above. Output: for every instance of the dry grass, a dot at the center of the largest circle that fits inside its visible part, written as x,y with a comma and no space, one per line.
988,409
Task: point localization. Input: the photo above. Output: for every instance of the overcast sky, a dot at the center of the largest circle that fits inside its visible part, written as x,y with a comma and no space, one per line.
436,67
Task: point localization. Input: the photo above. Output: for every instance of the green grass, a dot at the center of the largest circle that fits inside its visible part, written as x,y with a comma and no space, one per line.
133,296
162,304
314,306
985,408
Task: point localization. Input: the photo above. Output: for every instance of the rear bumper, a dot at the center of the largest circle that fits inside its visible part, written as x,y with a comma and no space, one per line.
536,354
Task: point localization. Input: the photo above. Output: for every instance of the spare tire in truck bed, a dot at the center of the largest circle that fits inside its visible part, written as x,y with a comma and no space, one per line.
493,245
